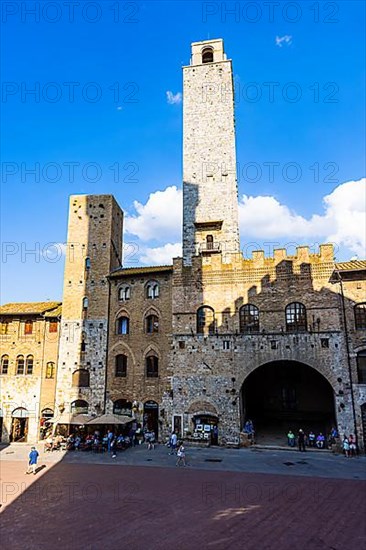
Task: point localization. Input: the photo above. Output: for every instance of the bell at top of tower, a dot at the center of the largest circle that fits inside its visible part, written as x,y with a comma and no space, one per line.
208,51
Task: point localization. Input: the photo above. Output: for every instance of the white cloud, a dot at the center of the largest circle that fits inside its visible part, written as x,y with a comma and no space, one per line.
174,99
160,218
285,40
262,217
161,255
343,221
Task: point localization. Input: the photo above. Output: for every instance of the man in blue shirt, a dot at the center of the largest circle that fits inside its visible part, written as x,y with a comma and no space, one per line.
32,464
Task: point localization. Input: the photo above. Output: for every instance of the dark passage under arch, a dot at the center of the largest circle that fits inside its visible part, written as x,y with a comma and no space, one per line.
284,395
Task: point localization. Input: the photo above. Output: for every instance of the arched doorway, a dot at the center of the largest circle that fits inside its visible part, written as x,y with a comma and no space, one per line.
19,424
205,422
45,424
287,395
151,417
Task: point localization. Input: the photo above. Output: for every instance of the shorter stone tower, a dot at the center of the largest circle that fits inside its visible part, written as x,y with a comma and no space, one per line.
94,249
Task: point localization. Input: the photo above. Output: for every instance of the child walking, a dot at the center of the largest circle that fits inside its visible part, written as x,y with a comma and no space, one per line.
181,454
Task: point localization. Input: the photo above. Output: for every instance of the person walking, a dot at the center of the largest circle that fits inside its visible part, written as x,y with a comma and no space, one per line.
173,443
32,461
301,440
181,454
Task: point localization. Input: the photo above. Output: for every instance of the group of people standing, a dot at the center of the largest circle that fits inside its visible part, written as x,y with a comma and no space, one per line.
303,440
349,446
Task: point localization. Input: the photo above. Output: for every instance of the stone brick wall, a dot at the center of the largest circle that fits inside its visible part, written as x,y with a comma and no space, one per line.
94,249
138,343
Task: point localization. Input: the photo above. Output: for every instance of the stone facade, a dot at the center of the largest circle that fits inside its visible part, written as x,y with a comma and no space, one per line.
31,332
213,367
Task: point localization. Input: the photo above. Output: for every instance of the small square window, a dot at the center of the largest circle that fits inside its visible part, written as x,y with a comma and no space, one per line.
324,342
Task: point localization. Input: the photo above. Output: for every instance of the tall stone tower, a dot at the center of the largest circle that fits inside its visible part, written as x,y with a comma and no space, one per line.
94,249
210,196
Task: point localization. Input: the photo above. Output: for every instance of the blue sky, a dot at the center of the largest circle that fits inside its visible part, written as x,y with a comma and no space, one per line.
128,62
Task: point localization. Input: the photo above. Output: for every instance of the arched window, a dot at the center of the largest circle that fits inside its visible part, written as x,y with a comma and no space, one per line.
123,325
205,320
152,324
28,327
209,242
121,366
122,406
360,316
47,413
79,407
85,303
207,55
249,318
87,263
361,367
20,364
29,364
5,364
124,293
296,317
81,378
50,370
152,365
152,290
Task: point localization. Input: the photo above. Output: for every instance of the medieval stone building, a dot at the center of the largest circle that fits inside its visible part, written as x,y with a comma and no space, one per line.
215,338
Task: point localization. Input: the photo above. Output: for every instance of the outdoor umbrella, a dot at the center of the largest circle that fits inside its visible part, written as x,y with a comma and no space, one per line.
111,419
76,419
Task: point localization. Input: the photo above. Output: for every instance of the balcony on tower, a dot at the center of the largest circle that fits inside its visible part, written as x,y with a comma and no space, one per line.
208,234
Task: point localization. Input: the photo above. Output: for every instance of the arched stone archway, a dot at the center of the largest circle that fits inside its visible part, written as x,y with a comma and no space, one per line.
283,395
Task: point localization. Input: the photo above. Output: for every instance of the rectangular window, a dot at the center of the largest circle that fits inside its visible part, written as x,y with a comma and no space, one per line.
226,344
324,342
28,328
52,326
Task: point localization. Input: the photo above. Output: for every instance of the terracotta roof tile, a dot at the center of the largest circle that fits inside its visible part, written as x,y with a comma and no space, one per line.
28,308
353,265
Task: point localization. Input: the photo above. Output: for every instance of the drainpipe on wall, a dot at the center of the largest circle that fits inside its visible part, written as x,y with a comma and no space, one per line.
348,352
